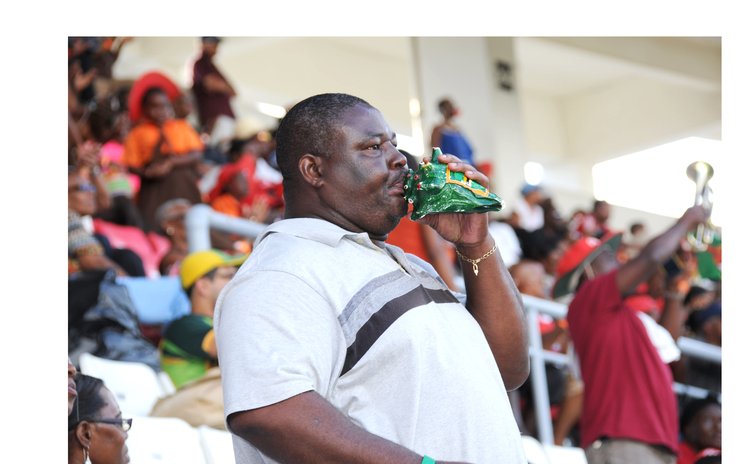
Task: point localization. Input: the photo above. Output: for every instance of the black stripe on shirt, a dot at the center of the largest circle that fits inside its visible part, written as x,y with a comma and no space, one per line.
379,322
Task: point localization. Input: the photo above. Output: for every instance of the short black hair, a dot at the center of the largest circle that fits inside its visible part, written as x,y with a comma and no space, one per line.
310,127
89,400
537,245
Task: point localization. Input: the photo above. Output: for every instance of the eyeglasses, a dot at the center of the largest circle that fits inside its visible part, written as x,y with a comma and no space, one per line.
82,188
124,424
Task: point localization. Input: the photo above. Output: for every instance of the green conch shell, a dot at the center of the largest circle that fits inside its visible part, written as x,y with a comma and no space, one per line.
433,188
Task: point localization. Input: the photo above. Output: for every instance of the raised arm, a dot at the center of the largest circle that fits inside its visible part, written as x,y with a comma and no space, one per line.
492,297
306,428
658,250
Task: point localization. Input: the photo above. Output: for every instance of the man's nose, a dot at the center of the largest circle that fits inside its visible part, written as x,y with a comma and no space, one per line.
397,159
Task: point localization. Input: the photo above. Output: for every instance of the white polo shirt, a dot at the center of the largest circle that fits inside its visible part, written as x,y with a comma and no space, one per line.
372,330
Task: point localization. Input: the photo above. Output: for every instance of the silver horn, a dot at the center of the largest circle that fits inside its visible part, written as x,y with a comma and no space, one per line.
701,172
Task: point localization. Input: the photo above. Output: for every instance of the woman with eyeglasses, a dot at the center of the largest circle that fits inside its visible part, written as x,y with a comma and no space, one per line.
96,429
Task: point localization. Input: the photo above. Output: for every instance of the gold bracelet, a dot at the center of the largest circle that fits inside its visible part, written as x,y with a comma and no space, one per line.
474,262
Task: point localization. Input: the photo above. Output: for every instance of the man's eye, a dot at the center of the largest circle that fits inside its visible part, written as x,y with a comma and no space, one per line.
374,147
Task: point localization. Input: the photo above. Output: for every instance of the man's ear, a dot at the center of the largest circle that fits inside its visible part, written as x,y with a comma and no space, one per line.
311,169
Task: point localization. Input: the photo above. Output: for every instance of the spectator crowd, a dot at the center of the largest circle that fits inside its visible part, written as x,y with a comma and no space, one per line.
142,153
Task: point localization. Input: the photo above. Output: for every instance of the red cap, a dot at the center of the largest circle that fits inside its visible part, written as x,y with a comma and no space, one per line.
576,254
580,253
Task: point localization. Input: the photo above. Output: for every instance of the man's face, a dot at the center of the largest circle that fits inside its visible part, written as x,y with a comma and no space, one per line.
220,279
705,428
364,175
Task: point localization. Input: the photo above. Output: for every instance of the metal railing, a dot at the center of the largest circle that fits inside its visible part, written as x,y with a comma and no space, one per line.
201,219
539,356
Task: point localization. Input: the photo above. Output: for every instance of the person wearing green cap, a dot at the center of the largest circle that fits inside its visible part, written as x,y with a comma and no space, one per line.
336,346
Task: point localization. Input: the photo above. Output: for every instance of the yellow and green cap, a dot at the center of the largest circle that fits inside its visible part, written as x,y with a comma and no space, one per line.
199,263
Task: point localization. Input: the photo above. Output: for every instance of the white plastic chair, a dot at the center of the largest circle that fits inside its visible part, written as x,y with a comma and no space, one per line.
136,386
160,440
217,445
535,453
565,455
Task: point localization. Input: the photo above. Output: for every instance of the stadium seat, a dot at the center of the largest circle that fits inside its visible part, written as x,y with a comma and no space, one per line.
217,445
534,450
159,440
135,385
150,247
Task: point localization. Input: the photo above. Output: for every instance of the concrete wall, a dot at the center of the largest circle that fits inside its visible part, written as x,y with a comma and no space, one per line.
463,69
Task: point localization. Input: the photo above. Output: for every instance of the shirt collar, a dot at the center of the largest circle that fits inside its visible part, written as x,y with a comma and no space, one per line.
317,230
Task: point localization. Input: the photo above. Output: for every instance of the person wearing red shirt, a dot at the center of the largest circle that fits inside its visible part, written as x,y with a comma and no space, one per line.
213,92
629,408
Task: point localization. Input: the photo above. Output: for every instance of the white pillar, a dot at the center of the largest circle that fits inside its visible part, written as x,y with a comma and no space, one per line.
465,69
